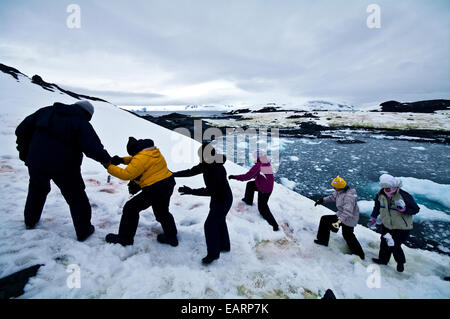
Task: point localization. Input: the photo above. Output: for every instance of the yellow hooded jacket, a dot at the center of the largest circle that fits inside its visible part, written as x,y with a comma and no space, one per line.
148,164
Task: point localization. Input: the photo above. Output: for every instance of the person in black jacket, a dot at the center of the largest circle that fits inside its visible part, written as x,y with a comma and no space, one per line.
217,187
51,142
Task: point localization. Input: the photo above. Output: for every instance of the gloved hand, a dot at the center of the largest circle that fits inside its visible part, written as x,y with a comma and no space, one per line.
337,224
106,164
400,204
185,190
318,202
133,188
116,160
231,177
389,240
372,223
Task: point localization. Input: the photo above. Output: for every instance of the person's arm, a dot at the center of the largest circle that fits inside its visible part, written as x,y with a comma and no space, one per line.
134,169
346,214
201,192
91,145
198,169
331,198
127,159
252,173
411,207
24,133
376,208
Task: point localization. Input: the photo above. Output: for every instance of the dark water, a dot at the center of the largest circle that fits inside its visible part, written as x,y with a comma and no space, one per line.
320,160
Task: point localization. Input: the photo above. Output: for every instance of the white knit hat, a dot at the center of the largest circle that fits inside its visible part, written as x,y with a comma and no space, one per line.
389,181
86,105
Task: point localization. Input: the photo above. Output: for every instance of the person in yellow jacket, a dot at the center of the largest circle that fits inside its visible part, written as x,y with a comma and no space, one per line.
147,171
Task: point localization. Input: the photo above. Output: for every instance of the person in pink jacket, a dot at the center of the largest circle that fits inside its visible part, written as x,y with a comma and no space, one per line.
262,174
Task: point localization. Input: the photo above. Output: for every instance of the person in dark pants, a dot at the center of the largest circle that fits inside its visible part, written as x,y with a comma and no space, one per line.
147,170
347,216
51,142
263,184
396,209
217,187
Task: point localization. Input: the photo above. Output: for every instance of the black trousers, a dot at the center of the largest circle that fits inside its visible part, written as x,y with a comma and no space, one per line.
216,230
399,236
263,199
156,195
72,188
325,227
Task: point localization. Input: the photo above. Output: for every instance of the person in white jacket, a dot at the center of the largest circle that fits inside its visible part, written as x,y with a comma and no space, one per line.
347,216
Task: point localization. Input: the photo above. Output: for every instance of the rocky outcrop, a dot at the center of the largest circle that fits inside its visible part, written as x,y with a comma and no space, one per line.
429,106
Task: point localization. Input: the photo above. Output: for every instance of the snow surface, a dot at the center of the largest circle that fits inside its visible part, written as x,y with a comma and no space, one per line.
261,264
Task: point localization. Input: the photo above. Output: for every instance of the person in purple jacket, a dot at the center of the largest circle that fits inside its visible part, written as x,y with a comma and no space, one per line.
263,174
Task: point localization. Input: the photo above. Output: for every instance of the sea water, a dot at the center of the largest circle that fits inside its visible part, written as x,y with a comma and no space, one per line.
308,166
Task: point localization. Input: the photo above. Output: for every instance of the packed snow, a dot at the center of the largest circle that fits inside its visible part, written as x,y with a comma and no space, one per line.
261,264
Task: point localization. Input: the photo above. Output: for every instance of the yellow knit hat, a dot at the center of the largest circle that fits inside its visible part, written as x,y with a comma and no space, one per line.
338,182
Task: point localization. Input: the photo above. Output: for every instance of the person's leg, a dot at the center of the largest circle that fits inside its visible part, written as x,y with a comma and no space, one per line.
323,234
223,230
385,251
38,189
399,237
130,217
72,188
352,242
161,201
249,192
264,209
212,226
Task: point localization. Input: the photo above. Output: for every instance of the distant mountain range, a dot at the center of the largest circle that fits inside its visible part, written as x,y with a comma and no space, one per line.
428,106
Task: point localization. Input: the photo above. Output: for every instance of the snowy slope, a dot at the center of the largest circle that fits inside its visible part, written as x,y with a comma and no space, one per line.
262,263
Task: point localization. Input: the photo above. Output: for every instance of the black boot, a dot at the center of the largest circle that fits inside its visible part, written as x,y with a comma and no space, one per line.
400,267
378,261
163,239
208,259
275,228
248,203
318,242
115,239
87,234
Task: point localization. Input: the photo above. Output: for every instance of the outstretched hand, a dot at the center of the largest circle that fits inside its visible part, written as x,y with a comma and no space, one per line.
318,202
337,224
231,177
116,160
106,164
185,190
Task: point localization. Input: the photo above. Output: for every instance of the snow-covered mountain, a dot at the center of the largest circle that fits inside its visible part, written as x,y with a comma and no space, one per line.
261,264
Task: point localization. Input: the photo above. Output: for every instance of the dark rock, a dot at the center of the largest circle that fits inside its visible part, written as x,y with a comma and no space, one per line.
239,111
429,106
268,109
11,71
305,115
348,141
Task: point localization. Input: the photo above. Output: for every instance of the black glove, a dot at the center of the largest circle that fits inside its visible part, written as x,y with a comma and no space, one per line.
133,188
116,160
318,202
185,190
231,177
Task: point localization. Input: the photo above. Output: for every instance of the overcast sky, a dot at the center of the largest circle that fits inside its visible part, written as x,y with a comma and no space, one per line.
233,52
